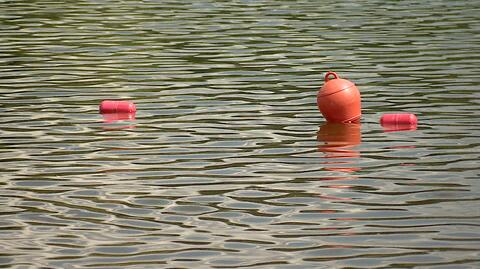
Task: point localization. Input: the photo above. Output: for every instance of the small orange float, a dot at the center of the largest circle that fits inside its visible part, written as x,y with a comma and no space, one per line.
112,106
399,122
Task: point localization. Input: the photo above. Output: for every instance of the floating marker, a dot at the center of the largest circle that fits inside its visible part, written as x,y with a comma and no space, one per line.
399,122
339,100
110,106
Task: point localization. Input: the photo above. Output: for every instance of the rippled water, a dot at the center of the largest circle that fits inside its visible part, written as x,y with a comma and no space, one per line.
228,163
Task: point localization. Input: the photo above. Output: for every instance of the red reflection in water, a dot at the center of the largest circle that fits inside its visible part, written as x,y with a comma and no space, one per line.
113,117
334,198
387,127
116,117
338,143
330,197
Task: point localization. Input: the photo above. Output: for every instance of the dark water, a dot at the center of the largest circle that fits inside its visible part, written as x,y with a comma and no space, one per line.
228,163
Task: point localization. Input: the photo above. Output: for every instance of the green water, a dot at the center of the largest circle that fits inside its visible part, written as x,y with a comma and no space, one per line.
228,163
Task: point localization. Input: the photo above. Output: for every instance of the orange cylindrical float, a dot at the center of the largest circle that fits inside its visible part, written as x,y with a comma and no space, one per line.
339,100
113,106
399,122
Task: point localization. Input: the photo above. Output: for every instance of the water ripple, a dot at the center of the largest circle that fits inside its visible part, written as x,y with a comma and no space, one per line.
228,163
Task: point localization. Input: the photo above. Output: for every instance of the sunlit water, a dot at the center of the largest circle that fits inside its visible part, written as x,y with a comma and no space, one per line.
228,163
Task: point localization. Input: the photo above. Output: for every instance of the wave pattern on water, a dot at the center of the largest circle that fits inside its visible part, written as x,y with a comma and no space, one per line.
228,163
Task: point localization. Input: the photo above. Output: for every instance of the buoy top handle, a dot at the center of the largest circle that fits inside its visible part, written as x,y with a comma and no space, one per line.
330,73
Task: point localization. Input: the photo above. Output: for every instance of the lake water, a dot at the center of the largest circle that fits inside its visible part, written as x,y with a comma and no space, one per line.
228,163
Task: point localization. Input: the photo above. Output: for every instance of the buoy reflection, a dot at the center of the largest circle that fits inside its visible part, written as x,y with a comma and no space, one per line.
399,127
112,118
338,142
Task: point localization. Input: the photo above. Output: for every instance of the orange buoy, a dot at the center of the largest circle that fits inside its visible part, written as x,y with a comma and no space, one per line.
399,122
399,119
339,100
112,106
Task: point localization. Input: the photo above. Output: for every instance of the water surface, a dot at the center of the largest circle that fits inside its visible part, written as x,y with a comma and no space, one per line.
228,163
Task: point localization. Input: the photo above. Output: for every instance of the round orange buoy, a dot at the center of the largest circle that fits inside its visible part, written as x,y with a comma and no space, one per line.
339,100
